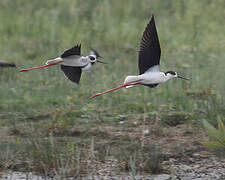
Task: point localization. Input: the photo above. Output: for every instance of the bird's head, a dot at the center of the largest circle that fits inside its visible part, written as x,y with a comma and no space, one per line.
94,57
172,74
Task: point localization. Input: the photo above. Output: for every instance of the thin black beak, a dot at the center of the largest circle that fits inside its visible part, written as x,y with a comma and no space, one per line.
182,78
101,62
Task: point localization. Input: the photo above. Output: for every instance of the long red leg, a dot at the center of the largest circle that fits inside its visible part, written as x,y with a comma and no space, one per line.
39,67
113,89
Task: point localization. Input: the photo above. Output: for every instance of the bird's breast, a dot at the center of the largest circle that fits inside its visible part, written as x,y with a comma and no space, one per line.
75,61
86,67
152,78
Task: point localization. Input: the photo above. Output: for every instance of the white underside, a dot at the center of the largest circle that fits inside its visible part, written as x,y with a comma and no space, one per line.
130,79
75,61
151,76
87,67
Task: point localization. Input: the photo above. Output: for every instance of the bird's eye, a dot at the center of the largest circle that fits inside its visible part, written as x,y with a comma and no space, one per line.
92,58
170,72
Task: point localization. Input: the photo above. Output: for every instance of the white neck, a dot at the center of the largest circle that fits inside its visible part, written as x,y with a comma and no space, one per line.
87,67
169,76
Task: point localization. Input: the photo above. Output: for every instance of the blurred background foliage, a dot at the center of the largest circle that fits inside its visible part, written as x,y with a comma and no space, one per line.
192,39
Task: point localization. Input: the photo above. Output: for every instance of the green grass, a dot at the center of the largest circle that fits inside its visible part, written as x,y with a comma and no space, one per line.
35,103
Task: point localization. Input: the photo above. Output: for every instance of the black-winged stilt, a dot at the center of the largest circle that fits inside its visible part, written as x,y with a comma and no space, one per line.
4,63
72,63
148,62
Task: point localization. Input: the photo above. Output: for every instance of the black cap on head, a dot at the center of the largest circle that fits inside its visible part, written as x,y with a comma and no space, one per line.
170,72
94,52
92,58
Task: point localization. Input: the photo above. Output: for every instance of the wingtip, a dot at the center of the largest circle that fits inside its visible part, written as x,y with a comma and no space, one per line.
152,20
77,45
153,17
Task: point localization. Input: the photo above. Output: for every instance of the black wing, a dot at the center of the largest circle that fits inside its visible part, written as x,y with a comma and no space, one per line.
149,53
71,52
72,73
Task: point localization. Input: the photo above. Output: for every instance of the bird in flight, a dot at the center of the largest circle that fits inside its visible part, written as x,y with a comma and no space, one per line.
148,63
4,63
72,63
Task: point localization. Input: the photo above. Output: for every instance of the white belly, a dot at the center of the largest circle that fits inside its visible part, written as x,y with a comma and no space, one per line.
152,77
75,61
87,67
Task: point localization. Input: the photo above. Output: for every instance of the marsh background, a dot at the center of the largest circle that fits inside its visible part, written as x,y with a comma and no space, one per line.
48,123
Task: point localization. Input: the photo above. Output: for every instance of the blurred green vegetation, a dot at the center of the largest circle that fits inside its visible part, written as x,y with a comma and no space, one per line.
192,40
217,137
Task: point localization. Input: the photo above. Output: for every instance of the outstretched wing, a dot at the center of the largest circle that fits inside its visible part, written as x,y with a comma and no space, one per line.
149,52
76,50
72,73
